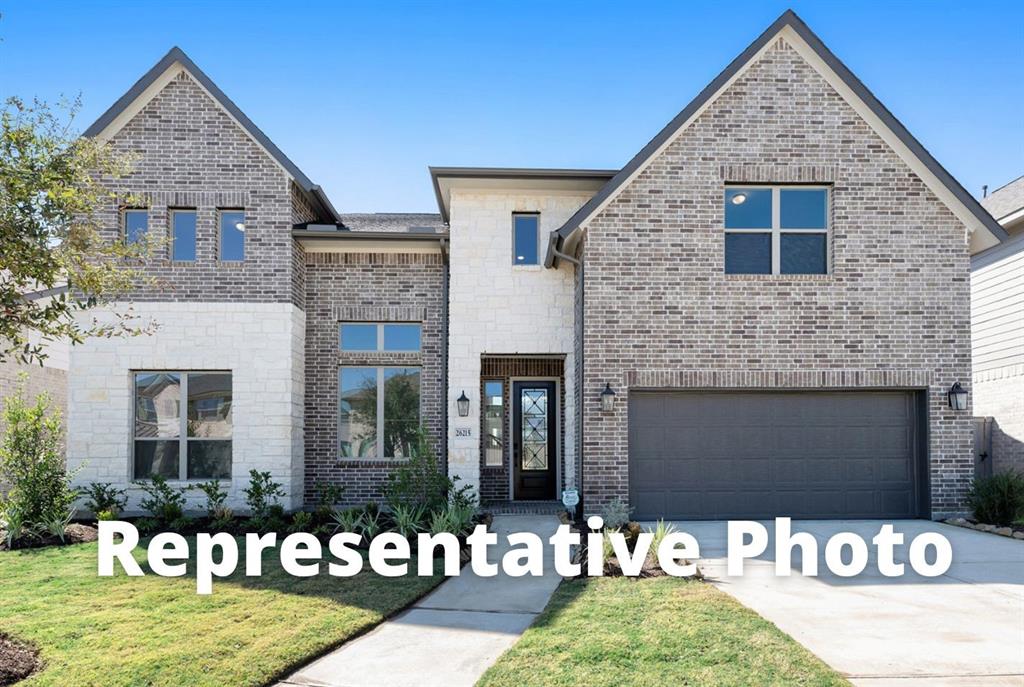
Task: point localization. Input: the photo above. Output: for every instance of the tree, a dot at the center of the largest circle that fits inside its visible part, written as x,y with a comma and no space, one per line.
53,184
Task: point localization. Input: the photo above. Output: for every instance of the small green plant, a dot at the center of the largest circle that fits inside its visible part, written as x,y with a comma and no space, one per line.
441,521
57,524
105,497
999,499
14,527
347,520
215,496
616,513
222,519
262,493
327,497
606,543
370,524
408,519
660,531
106,515
165,503
147,525
301,522
32,465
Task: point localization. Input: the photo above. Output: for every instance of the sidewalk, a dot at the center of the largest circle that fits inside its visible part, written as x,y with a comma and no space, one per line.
452,635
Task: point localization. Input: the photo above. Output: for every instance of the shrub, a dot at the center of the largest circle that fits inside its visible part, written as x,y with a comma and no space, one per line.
347,520
419,481
223,518
661,530
370,524
165,503
616,513
104,497
215,496
408,519
32,464
327,497
997,500
301,522
262,493
106,515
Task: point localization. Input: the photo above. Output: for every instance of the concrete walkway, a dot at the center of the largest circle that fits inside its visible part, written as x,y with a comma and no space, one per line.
451,636
964,628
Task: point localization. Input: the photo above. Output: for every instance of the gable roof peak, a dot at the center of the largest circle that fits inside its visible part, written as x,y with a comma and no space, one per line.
146,88
798,35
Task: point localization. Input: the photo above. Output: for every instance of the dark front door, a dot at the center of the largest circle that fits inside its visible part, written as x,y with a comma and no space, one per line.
534,446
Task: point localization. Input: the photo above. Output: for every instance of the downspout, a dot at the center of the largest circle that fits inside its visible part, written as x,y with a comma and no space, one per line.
444,356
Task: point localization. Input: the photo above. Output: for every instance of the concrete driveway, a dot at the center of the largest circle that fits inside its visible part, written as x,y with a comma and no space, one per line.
963,628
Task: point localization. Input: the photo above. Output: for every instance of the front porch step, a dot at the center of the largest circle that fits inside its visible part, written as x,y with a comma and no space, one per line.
523,507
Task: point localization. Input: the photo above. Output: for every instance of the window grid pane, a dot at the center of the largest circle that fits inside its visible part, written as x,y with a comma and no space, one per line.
798,242
232,235
357,406
494,421
358,337
136,224
401,337
525,238
184,235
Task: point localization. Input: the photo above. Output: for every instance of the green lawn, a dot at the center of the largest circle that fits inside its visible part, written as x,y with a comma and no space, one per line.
156,631
663,631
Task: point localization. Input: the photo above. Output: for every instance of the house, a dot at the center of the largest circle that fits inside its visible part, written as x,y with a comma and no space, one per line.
997,331
762,313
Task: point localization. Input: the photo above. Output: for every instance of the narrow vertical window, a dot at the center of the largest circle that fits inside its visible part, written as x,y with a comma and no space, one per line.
136,224
232,235
183,236
494,423
525,239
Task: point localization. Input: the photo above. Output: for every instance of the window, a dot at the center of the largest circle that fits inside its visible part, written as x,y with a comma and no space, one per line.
494,422
776,230
525,239
232,235
136,224
358,336
183,235
379,411
194,444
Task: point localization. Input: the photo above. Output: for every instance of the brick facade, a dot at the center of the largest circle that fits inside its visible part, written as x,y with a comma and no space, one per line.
189,154
894,309
367,287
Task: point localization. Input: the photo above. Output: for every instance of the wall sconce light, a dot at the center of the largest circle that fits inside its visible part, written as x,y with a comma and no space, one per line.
957,397
463,403
607,398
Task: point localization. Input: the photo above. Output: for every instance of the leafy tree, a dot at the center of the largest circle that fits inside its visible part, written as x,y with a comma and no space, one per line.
53,185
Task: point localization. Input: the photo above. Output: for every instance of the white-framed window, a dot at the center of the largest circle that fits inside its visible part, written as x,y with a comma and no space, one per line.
232,235
134,224
777,229
378,411
398,337
494,422
525,238
177,445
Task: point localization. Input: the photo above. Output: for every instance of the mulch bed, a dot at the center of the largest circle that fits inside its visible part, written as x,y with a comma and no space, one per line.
75,533
17,660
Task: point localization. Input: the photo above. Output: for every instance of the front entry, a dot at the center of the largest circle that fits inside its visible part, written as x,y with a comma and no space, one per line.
534,440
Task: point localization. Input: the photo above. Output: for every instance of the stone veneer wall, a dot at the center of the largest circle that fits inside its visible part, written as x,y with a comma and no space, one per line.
367,287
259,343
497,308
893,311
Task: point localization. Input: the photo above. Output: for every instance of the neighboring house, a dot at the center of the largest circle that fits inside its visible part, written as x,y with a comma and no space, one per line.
761,314
997,330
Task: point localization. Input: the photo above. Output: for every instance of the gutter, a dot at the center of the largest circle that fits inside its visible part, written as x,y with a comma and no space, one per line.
555,241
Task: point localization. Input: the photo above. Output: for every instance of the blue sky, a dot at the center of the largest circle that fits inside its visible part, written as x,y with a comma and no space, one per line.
363,96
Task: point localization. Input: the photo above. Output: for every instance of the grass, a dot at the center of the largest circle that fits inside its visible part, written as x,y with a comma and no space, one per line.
156,631
661,631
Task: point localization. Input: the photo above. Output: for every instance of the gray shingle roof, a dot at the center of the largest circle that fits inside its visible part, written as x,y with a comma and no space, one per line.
416,222
1005,200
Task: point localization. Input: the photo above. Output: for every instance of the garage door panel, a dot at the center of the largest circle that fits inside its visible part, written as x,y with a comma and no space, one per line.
763,454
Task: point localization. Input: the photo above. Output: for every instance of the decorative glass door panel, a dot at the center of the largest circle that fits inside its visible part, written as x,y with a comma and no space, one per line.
534,403
534,440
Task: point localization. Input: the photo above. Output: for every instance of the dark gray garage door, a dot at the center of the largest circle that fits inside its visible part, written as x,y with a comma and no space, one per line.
711,455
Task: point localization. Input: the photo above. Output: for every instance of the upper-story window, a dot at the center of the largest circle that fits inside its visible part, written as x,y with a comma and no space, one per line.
398,337
232,235
525,239
183,235
136,224
776,229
